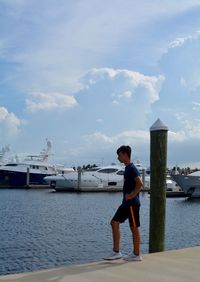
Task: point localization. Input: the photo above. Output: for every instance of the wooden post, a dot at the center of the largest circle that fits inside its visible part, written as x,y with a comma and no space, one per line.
143,178
79,178
28,177
158,161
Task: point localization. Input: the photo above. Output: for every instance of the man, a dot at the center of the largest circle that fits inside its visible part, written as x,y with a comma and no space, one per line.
129,209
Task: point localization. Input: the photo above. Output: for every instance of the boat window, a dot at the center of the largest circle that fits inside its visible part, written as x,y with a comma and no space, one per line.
120,172
11,165
42,167
108,170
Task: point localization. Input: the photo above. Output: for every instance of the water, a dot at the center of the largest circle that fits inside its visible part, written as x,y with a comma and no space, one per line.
42,229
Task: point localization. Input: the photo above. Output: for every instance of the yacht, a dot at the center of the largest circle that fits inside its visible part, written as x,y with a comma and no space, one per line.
106,178
190,183
3,152
30,171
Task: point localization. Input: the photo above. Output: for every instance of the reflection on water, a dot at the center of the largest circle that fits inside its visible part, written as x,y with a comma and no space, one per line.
42,229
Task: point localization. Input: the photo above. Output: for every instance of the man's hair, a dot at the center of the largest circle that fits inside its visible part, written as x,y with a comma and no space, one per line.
124,149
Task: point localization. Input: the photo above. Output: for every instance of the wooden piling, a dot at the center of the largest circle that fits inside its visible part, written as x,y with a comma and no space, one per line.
158,162
143,178
79,179
28,177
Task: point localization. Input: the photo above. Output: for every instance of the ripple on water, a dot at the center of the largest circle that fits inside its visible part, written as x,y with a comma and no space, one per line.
41,229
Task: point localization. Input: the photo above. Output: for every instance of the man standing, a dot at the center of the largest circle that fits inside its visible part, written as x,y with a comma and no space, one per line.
129,209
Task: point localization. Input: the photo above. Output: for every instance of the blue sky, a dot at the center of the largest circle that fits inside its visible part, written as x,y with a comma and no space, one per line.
91,75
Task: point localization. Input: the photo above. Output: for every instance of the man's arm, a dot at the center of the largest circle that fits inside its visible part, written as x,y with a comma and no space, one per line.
138,187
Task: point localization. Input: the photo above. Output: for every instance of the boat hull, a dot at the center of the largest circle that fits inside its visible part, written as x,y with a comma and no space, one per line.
62,183
189,184
16,179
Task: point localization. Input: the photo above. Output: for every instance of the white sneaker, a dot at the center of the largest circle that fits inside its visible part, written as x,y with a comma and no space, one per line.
113,256
133,257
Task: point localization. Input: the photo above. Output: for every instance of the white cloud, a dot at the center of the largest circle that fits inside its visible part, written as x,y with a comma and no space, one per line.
99,120
177,137
51,46
196,106
192,127
126,94
126,137
68,38
149,85
9,123
179,41
49,101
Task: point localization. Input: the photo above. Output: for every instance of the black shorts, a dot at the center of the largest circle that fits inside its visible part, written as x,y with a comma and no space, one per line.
131,212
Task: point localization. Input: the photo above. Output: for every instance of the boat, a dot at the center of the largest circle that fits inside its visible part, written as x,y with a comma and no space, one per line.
105,178
171,185
190,183
100,179
30,171
4,150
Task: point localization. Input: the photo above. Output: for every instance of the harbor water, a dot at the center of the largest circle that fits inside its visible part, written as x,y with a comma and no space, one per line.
43,229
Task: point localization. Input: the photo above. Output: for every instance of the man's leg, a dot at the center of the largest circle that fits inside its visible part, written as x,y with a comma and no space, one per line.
136,240
118,218
116,254
116,235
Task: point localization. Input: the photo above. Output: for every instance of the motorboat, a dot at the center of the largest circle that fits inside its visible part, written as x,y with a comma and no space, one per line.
171,185
30,171
105,178
190,183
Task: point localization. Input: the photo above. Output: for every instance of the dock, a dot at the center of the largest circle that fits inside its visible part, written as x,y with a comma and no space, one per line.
169,266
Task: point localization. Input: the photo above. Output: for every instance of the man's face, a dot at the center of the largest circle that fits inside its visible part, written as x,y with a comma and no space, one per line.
122,157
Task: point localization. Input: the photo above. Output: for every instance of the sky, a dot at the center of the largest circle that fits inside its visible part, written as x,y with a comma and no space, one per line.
92,75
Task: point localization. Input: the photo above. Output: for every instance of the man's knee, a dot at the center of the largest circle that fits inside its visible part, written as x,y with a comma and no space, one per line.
134,229
114,223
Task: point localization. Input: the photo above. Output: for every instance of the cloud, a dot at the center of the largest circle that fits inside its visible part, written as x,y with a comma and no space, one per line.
124,92
180,90
9,123
177,137
196,106
49,101
99,120
69,38
190,127
179,41
126,137
51,46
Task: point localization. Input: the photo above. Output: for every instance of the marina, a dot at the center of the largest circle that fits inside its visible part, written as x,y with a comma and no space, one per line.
30,171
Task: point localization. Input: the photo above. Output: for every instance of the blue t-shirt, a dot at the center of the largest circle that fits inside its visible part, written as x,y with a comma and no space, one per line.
130,173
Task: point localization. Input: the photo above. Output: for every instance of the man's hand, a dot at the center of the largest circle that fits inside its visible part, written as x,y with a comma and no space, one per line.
138,187
128,196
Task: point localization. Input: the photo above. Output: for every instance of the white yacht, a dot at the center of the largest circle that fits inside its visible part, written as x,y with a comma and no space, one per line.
190,183
3,152
102,179
106,178
30,171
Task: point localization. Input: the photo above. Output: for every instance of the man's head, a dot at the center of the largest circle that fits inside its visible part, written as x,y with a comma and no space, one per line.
124,154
